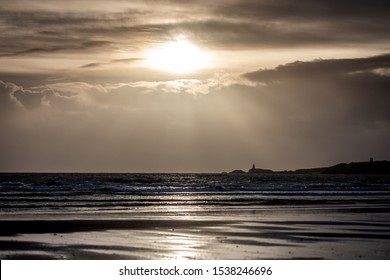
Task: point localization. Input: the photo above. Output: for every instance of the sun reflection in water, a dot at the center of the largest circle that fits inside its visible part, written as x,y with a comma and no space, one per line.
181,246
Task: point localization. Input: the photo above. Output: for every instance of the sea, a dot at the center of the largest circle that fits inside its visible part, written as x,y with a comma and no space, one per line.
126,195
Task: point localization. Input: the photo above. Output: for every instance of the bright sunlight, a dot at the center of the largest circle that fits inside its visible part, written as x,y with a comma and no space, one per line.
180,56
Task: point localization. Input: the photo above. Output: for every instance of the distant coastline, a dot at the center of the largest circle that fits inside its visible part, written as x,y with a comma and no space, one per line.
367,167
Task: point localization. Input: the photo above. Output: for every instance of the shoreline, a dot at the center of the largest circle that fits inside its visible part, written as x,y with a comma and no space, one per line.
284,234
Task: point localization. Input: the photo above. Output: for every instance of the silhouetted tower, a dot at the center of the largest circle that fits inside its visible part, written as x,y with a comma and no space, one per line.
253,166
371,159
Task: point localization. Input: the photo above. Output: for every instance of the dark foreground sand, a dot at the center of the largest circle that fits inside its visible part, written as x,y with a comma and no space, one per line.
259,234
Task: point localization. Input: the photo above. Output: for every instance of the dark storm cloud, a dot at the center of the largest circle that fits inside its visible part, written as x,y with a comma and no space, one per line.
307,9
223,24
357,90
304,22
253,23
71,47
324,68
41,19
28,17
225,34
24,32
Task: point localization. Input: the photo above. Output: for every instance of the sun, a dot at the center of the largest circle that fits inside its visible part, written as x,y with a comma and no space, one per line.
179,56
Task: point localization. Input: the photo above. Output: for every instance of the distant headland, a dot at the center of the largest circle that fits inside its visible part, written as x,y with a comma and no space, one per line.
367,167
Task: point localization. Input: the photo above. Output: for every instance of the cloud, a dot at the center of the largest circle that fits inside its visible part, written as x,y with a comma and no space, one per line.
301,114
263,24
114,61
326,68
244,24
64,97
356,78
298,114
83,97
78,122
286,24
8,101
306,10
218,81
343,100
80,47
355,89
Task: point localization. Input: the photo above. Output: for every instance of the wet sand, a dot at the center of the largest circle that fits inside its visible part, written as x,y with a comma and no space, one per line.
284,234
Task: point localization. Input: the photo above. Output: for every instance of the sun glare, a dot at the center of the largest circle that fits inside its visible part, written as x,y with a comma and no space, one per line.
180,56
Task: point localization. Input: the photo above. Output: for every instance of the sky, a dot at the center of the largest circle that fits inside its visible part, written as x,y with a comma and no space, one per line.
192,86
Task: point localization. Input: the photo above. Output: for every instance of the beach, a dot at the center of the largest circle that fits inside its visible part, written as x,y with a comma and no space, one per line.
267,234
194,216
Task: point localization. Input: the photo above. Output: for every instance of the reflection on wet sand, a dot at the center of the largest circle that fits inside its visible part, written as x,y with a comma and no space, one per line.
279,235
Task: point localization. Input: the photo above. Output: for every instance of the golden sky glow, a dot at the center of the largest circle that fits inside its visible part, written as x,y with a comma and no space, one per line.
192,86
